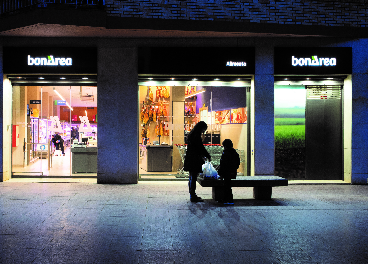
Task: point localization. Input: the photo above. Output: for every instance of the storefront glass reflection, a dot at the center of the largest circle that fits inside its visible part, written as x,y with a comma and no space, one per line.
168,113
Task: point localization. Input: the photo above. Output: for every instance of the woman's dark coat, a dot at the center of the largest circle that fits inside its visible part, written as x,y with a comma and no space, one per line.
195,154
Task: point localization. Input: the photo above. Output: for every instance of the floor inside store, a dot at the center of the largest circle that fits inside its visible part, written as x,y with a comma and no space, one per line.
60,167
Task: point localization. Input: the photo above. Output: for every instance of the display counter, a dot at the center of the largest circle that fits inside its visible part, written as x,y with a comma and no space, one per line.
84,159
156,158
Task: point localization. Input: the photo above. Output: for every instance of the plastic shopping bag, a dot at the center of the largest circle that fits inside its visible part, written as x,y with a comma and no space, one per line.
209,171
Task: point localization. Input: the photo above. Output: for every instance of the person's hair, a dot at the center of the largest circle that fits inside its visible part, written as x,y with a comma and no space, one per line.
227,143
197,129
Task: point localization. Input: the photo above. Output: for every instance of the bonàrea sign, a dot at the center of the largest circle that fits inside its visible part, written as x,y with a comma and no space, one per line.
313,61
49,61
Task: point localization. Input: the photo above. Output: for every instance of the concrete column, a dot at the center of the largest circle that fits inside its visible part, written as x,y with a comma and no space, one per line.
177,101
51,107
34,93
264,148
45,105
359,128
359,113
117,127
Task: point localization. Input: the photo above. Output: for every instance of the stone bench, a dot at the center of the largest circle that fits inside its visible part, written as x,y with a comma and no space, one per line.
262,185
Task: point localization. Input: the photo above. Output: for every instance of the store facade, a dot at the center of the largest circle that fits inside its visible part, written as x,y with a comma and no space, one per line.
123,69
52,110
178,87
312,88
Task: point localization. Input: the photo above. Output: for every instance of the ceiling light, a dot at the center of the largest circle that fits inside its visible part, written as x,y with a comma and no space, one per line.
195,93
172,78
62,78
217,79
41,78
62,98
85,78
150,78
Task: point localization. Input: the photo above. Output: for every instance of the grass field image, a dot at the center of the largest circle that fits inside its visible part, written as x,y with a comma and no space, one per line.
289,136
290,144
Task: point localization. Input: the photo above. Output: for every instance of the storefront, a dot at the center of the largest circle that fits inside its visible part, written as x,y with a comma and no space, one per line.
52,106
252,94
179,87
312,114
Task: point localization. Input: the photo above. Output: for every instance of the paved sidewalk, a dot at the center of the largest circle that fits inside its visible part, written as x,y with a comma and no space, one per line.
154,222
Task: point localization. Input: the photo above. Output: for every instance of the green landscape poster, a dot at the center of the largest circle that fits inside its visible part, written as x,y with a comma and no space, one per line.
290,131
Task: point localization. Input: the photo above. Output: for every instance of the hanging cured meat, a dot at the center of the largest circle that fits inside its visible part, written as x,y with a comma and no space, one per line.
150,94
144,133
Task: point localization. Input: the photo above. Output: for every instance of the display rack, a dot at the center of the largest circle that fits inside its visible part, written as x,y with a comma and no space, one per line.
215,152
182,151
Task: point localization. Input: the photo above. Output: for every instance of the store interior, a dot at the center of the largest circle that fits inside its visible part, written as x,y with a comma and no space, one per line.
54,131
170,109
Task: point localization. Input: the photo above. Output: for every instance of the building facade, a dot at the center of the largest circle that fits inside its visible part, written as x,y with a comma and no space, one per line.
302,66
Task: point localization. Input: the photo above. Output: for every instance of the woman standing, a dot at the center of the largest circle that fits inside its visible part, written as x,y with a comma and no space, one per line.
194,158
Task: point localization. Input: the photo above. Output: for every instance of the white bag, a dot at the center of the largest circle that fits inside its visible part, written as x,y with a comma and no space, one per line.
209,171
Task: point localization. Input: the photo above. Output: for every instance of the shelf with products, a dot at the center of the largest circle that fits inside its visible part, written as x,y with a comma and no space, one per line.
190,117
154,115
42,131
153,111
189,108
34,130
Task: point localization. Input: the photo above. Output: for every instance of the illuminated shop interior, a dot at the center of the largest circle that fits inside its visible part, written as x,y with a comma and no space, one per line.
169,108
44,106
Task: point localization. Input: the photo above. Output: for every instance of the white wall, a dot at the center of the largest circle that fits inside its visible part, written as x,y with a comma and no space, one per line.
347,127
20,119
7,128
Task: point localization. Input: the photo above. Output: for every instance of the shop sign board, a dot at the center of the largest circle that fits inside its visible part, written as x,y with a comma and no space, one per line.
34,101
320,60
56,60
60,102
196,60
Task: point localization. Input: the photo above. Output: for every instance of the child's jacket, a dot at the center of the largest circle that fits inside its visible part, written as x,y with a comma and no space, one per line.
229,164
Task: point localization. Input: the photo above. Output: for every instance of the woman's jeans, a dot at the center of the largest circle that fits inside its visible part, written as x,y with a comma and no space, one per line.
192,183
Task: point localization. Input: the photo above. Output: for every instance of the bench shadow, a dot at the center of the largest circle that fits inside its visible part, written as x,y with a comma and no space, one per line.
248,202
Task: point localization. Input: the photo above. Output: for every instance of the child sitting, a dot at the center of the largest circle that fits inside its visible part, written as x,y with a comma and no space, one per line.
227,170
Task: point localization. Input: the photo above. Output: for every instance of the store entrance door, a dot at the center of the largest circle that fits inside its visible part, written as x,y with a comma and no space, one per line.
47,122
323,131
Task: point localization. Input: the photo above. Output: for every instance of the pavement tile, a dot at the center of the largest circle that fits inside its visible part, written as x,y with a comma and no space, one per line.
154,222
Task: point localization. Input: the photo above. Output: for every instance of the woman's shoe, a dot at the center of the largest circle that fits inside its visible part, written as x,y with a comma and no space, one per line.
196,199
